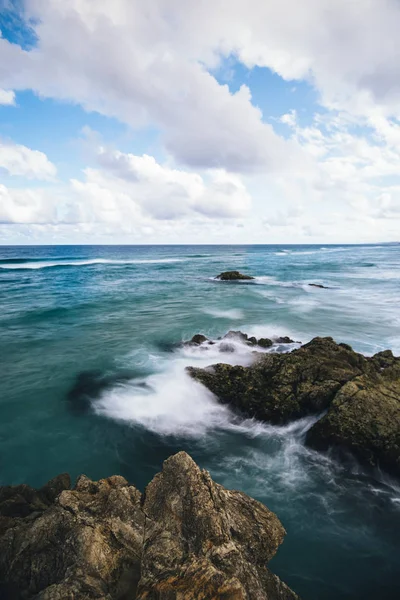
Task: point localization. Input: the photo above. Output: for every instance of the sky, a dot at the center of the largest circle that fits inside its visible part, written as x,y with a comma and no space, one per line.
187,121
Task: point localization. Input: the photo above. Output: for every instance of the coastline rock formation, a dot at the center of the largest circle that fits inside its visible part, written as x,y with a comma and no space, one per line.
233,276
185,538
201,340
361,396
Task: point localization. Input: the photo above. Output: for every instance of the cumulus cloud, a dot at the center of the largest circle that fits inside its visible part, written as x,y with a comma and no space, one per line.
126,183
17,159
26,206
145,73
7,98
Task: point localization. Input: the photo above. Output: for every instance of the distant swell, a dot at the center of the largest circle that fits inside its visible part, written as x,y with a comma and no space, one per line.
47,264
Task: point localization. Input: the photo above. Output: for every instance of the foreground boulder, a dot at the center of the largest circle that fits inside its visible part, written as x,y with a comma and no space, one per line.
233,276
361,396
185,538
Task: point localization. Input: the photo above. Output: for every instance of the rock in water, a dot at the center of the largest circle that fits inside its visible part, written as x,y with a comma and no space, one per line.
361,396
186,538
233,276
281,387
364,418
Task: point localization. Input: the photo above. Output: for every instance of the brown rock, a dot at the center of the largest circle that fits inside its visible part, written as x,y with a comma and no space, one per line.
187,538
203,541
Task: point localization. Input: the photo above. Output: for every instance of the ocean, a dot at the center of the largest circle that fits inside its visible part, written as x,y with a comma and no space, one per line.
92,381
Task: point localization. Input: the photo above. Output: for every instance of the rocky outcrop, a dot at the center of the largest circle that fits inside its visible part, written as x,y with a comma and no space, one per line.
233,276
364,417
185,538
282,387
361,396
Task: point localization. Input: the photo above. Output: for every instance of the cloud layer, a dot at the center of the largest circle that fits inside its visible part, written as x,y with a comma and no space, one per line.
155,65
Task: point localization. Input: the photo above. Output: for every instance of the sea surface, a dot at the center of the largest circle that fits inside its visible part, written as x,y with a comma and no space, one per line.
91,381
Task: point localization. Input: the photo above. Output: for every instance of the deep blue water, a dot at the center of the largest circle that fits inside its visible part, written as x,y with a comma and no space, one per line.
91,382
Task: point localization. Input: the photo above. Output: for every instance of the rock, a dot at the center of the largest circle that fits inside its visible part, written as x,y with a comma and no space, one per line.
186,538
252,341
361,396
364,417
203,541
318,285
86,544
236,335
233,276
264,343
281,387
198,339
285,340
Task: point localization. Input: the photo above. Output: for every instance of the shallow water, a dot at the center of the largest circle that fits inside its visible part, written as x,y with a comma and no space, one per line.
92,382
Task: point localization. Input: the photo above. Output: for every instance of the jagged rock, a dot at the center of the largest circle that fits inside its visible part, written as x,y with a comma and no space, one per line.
203,541
86,544
233,276
364,417
186,538
282,387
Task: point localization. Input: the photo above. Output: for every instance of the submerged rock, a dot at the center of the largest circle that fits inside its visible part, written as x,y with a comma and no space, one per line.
233,276
361,396
186,538
318,285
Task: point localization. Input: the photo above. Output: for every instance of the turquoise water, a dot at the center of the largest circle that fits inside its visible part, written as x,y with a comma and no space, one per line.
91,382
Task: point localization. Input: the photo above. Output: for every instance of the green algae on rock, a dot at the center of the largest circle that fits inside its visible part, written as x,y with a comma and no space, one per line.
185,538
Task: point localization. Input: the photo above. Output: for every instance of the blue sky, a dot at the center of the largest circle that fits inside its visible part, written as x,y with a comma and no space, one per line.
180,123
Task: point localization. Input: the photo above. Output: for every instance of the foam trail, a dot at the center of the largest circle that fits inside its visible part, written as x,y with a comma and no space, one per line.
233,313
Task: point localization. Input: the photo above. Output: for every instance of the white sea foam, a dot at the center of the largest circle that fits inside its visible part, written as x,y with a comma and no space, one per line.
81,263
170,402
230,313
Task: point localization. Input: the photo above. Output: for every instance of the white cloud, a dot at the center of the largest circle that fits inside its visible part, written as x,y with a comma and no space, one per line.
25,206
147,72
17,159
128,183
7,98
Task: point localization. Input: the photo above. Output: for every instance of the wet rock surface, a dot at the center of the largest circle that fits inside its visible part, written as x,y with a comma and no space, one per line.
233,276
236,336
186,537
361,396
